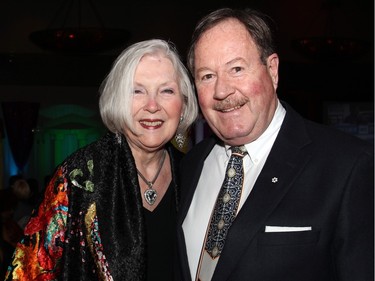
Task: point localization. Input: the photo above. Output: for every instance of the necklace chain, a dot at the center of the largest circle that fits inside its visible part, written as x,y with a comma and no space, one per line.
151,194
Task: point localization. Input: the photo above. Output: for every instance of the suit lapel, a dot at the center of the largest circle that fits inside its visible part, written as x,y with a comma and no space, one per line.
285,161
190,173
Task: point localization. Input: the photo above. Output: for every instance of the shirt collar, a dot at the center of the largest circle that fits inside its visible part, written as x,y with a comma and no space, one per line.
257,148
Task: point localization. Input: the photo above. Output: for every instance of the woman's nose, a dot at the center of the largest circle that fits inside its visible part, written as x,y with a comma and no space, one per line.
152,104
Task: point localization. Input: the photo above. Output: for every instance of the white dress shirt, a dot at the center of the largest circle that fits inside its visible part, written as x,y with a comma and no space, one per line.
197,219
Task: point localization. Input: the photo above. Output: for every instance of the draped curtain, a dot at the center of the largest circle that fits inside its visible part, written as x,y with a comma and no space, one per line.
20,120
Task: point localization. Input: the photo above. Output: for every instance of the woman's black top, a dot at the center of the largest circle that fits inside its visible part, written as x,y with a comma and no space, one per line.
160,227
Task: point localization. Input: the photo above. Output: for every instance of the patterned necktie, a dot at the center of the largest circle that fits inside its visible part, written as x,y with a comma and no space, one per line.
227,203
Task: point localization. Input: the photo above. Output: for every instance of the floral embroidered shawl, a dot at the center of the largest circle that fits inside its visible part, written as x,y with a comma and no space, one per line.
90,224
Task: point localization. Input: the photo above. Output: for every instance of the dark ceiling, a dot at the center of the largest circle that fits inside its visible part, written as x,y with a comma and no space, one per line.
24,65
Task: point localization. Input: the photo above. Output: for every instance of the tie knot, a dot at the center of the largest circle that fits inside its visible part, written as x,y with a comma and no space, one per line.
239,150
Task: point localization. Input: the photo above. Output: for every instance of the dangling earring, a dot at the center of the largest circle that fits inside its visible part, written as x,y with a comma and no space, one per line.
118,137
180,140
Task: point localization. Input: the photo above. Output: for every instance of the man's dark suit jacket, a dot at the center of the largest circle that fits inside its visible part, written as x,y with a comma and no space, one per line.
325,180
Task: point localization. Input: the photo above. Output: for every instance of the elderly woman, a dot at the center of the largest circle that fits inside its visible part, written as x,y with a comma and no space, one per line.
109,210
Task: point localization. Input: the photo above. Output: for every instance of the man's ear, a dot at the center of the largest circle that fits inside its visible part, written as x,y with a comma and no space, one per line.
273,68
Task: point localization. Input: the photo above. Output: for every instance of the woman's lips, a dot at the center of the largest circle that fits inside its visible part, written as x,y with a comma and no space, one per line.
151,124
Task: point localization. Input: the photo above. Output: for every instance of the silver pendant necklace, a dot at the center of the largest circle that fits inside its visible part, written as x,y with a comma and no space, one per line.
151,194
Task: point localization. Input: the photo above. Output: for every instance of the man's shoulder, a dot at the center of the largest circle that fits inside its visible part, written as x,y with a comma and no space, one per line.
204,145
332,136
321,134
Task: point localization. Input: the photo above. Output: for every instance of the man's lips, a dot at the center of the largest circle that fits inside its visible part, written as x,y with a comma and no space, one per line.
230,109
151,124
227,107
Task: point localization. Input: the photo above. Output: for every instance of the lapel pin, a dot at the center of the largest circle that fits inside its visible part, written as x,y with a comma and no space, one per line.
274,180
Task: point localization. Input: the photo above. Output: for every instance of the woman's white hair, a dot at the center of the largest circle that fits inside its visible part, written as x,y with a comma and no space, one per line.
116,91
